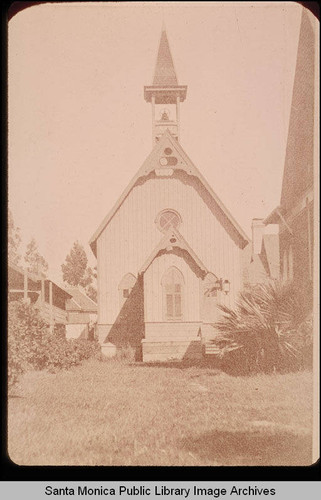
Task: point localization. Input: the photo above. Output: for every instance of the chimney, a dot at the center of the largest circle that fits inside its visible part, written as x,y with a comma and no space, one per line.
257,234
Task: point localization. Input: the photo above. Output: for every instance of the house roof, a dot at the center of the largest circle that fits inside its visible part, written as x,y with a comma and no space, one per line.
184,163
165,74
299,157
36,278
264,265
274,216
270,251
173,239
80,301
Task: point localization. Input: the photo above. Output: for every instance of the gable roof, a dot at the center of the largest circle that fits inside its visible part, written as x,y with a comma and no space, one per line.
80,301
151,164
298,164
164,71
173,239
270,253
36,278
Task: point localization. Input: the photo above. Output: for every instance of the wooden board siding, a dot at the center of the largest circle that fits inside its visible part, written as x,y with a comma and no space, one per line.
59,315
79,317
76,331
172,331
132,234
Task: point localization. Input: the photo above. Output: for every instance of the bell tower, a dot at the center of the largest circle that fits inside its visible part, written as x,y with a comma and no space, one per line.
165,95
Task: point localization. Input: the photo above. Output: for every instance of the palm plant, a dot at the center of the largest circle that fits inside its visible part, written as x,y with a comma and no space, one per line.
265,328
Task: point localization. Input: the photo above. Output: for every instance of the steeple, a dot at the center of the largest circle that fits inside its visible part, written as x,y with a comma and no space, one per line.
165,91
164,71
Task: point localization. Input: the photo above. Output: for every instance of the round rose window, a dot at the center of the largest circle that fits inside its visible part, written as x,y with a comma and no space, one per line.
167,219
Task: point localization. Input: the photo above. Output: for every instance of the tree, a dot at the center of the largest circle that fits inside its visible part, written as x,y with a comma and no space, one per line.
91,292
76,272
14,240
74,269
36,263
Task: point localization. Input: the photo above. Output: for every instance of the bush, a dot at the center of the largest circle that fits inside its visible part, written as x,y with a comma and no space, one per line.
26,330
63,354
266,331
32,345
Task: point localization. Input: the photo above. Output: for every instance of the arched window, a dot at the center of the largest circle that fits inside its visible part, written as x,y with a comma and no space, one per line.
173,288
168,218
290,264
125,287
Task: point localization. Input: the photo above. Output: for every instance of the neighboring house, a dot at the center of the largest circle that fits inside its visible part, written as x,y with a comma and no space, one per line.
262,258
295,213
46,295
169,252
81,315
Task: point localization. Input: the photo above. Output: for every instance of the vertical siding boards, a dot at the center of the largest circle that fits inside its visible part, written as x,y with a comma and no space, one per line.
132,234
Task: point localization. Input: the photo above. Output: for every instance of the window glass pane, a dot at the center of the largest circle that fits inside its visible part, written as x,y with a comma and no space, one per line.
169,305
178,309
177,288
168,219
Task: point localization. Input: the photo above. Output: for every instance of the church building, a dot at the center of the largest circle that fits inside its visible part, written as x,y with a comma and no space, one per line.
169,252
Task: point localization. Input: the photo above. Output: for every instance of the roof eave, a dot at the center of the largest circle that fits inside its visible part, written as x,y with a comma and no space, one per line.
143,171
180,243
167,92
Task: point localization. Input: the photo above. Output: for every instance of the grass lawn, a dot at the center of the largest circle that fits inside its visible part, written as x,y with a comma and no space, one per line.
121,413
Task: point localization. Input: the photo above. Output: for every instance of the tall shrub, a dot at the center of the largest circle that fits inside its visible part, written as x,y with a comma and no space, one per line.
267,330
26,334
32,345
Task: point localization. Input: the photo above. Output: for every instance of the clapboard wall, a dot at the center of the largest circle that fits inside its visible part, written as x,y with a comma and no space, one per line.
131,236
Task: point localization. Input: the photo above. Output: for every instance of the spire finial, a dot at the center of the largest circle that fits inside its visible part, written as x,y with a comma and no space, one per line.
164,71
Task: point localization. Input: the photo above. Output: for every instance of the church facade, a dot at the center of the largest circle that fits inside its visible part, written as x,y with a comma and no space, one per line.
169,252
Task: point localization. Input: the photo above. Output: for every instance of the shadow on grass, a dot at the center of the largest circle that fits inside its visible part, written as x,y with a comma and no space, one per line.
181,365
251,448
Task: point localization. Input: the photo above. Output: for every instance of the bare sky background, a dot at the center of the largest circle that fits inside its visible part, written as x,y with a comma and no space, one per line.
79,127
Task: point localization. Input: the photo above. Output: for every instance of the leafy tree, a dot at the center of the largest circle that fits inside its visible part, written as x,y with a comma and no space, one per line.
14,240
76,271
267,330
87,278
91,292
35,262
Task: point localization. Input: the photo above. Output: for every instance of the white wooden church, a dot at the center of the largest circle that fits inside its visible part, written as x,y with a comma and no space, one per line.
169,251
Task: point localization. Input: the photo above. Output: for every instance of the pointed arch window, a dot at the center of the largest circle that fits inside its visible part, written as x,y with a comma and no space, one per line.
173,294
125,287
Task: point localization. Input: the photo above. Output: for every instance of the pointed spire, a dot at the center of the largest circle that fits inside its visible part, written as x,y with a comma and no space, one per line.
164,72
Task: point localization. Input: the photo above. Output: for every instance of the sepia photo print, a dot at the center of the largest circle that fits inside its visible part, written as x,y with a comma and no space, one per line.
163,234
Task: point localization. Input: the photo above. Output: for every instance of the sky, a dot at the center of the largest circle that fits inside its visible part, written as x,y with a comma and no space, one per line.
79,128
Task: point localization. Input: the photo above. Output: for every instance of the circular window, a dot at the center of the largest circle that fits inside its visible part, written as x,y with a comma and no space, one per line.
168,151
167,219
